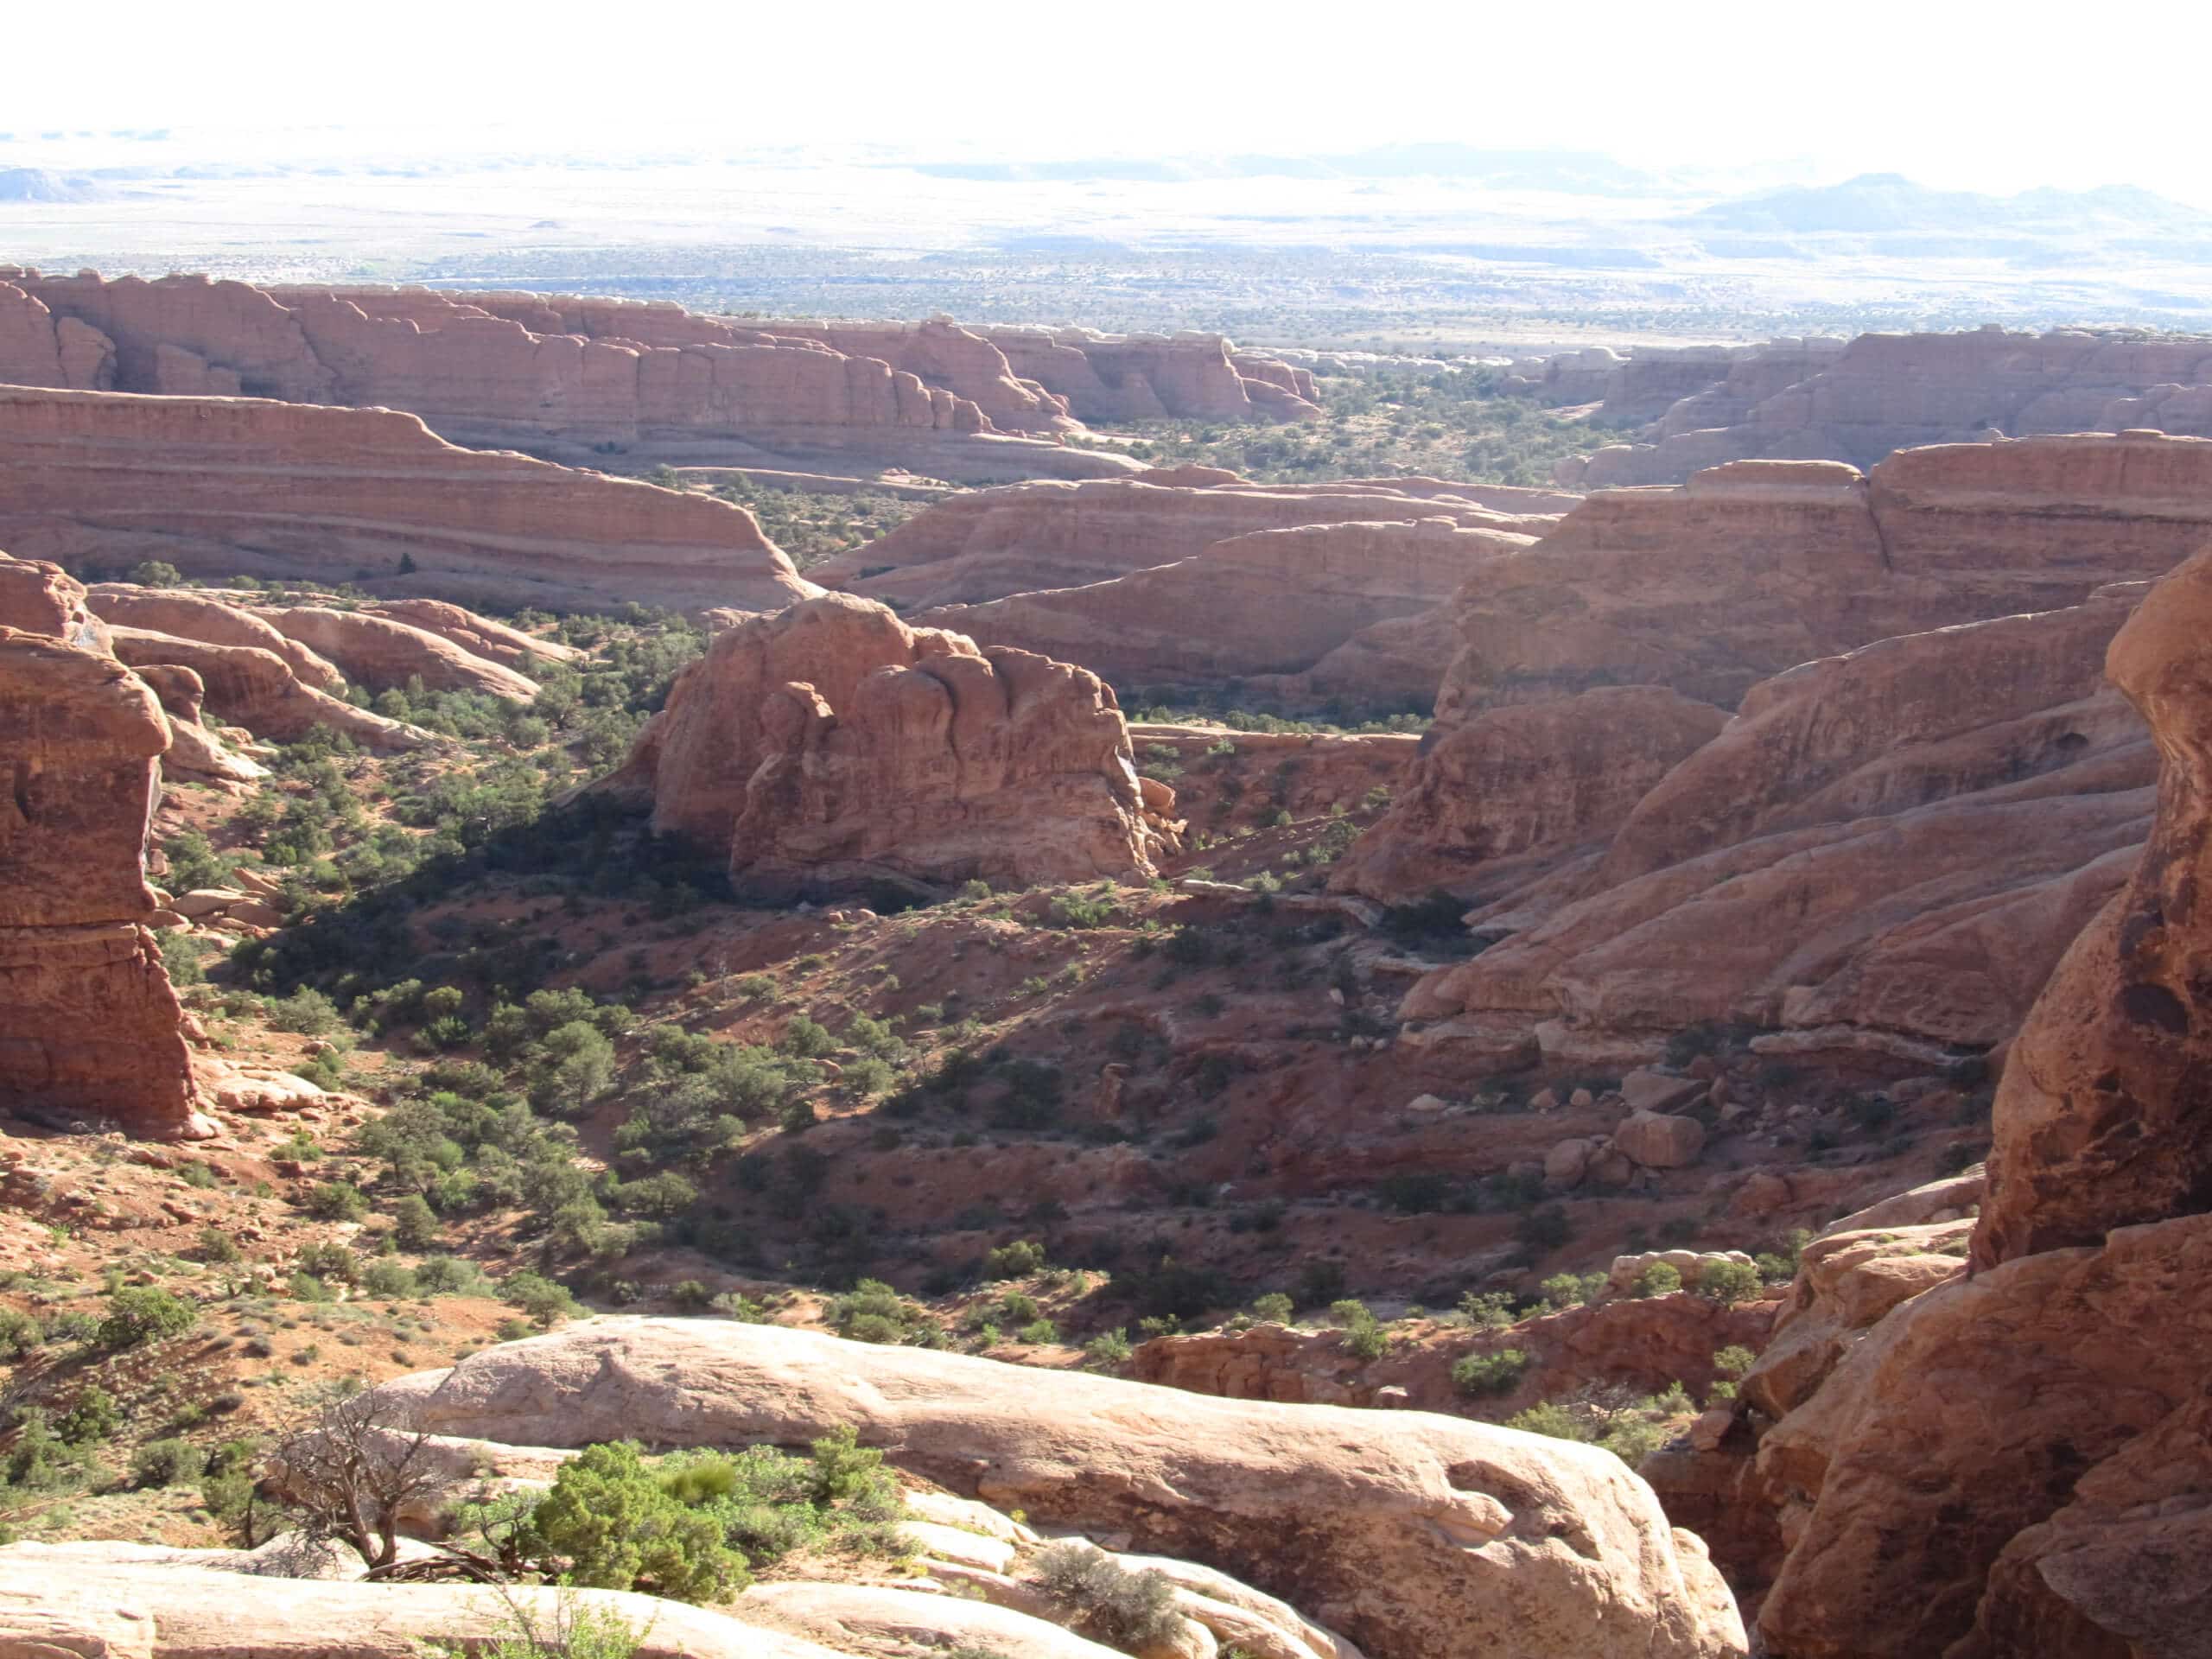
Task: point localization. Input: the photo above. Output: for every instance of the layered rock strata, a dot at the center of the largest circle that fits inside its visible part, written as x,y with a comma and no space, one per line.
986,545
1857,402
568,375
1268,602
221,486
94,1031
247,686
381,653
1410,1533
2009,1459
831,743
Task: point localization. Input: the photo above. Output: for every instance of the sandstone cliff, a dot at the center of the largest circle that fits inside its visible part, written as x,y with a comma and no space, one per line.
1857,402
1266,602
558,372
831,743
1026,537
219,486
94,1032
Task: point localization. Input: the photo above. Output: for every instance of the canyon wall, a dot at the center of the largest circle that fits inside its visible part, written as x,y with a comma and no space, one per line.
1923,793
220,487
1858,401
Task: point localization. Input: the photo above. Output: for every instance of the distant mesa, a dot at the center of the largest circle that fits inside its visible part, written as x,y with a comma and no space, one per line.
581,379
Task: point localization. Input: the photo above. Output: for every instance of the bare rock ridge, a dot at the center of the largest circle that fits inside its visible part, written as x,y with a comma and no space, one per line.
1411,1533
1857,401
1583,786
220,487
93,1031
1266,602
1022,538
831,743
2013,1462
572,376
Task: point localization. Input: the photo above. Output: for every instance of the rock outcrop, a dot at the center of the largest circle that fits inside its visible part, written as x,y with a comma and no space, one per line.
1901,840
2012,1461
831,743
1804,400
989,543
571,376
381,653
222,486
1266,603
247,686
479,636
38,597
1410,1533
2101,1118
94,1031
215,621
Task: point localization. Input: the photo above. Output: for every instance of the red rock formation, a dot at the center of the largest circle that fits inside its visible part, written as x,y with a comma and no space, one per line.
557,371
257,690
39,597
214,621
38,349
831,743
94,1031
1898,841
1147,376
1268,602
478,635
1810,399
985,545
381,653
2101,1119
224,487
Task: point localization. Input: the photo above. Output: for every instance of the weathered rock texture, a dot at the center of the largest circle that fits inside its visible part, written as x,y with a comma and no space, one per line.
223,486
41,597
1901,840
1268,602
1411,1533
256,689
989,543
2013,1461
578,375
832,743
216,621
156,1609
2104,1115
479,636
381,653
93,1030
1805,400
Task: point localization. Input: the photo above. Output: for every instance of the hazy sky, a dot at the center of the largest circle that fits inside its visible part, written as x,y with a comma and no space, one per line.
1954,94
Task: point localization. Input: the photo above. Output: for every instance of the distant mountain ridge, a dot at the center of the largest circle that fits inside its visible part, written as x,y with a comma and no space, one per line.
1889,203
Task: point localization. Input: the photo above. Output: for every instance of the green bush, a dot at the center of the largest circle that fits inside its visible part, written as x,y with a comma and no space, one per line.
337,1201
1660,1279
143,1313
1273,1308
1729,1281
218,1248
167,1463
414,1223
1109,1348
156,573
873,1311
614,1526
545,1301
92,1417
1478,1375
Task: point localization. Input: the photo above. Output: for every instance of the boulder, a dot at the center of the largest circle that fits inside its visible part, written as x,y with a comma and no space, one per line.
1409,1532
1646,1090
1660,1140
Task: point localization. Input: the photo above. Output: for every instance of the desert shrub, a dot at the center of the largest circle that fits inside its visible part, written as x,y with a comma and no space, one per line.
414,1223
614,1527
1729,1281
1273,1308
546,1303
873,1311
156,573
43,1458
167,1463
1565,1290
1015,1261
336,1201
329,1261
1109,1348
1630,1428
1544,1229
143,1313
388,1280
218,1248
1660,1279
1479,1375
1129,1610
93,1416
1486,1310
